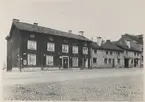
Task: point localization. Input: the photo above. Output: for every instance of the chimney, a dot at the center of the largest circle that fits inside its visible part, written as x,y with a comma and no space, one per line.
99,41
69,31
35,23
15,20
108,41
82,33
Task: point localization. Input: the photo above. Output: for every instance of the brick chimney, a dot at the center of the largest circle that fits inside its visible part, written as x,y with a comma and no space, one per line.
69,31
99,41
82,33
35,23
15,20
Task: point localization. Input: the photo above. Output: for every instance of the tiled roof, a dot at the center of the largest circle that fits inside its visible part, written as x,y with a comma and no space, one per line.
106,46
111,46
138,38
45,30
124,46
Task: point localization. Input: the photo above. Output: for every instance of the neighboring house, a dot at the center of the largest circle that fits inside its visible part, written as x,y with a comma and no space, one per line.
133,48
106,55
30,45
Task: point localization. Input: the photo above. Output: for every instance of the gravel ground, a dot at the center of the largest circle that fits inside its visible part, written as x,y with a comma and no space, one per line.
121,88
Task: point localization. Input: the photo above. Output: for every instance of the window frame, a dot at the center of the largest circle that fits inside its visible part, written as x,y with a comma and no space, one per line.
75,51
30,45
63,47
51,44
47,59
28,59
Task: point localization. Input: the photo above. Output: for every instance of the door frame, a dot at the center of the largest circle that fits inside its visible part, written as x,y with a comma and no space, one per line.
62,60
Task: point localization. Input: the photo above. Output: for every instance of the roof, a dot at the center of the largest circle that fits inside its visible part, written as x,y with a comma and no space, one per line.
111,46
45,30
138,38
124,46
106,46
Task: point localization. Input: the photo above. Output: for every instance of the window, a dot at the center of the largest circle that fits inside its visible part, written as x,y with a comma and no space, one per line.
110,52
132,61
31,45
50,47
105,60
49,60
65,48
94,60
75,49
31,59
106,52
134,53
85,50
118,60
95,51
75,61
110,61
126,52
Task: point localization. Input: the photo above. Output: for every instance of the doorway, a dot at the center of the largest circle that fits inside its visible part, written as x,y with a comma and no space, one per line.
113,63
65,62
126,62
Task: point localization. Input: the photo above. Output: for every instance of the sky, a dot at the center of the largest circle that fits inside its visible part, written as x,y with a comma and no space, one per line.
106,18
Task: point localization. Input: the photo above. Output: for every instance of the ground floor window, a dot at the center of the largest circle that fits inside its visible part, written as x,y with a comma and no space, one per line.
94,60
49,60
75,61
31,59
105,60
118,60
110,61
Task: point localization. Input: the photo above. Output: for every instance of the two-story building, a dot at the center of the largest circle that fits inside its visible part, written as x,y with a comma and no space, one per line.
30,45
106,55
132,47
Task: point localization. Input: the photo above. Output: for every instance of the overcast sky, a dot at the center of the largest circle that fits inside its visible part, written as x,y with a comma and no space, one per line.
106,18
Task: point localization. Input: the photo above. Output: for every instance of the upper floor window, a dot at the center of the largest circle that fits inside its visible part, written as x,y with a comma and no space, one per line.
118,53
106,52
85,50
110,52
50,46
95,51
75,49
65,48
31,58
32,45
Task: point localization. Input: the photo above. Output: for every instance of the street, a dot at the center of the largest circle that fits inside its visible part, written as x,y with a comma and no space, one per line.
75,85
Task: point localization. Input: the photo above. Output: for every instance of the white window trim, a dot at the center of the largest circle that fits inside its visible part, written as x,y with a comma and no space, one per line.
76,64
75,49
50,44
85,51
48,60
30,45
28,60
67,48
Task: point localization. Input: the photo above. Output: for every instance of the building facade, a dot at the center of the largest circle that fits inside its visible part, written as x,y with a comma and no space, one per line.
30,45
133,48
107,55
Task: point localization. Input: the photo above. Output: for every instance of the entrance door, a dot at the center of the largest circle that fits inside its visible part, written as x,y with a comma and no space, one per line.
126,62
65,62
113,63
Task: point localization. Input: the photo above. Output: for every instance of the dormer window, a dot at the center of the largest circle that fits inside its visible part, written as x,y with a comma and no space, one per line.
127,43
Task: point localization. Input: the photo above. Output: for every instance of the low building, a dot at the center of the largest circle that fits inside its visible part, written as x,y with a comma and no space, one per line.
30,45
106,55
133,48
